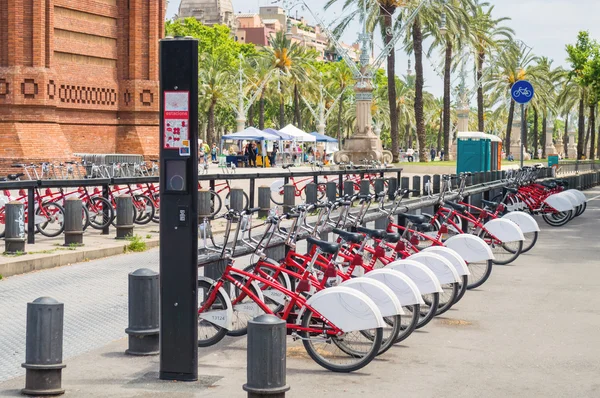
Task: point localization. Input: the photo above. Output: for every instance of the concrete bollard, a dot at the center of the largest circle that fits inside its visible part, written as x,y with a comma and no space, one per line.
124,216
416,185
365,187
289,197
44,347
348,188
73,222
143,313
236,199
264,201
14,233
405,184
266,358
205,205
392,187
331,191
311,193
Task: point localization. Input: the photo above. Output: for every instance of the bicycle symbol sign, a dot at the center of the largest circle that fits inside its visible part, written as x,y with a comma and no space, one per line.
522,91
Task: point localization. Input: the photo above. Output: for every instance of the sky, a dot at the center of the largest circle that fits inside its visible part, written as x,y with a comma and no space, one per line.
545,25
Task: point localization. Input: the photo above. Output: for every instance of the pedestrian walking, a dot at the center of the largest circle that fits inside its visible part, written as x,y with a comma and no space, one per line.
432,153
213,153
410,154
201,152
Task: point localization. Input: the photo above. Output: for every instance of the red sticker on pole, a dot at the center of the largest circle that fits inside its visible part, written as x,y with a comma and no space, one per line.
177,116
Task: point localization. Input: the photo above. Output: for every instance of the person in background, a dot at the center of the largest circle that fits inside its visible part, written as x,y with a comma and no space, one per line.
410,154
274,154
201,152
442,155
540,153
432,153
510,157
325,161
213,153
252,154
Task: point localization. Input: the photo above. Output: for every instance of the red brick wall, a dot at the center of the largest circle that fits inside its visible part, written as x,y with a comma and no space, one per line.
78,76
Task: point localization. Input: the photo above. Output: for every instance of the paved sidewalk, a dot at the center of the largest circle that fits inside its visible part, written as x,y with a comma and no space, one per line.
530,331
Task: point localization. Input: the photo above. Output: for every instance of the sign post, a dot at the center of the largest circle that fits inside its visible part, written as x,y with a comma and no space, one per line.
179,209
522,92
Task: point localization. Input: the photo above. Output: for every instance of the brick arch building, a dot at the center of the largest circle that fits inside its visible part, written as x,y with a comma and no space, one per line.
78,76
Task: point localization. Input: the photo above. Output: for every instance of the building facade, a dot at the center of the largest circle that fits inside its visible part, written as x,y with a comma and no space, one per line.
78,76
209,12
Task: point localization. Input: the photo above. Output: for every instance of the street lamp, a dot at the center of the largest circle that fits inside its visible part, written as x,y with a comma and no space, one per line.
443,27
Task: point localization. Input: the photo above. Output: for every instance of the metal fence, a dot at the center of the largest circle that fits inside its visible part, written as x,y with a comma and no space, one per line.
575,167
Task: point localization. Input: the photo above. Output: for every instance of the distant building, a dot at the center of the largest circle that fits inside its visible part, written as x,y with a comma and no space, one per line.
209,12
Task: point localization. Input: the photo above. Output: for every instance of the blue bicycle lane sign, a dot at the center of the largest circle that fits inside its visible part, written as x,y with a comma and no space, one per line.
522,92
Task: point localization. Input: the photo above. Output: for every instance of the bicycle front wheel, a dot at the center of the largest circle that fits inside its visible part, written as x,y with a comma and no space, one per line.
49,219
409,322
428,310
208,332
100,212
245,200
244,308
504,252
390,333
145,209
530,241
332,352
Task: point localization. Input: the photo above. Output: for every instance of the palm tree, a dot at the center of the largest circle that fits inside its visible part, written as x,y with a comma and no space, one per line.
486,35
215,87
514,63
449,28
291,61
340,79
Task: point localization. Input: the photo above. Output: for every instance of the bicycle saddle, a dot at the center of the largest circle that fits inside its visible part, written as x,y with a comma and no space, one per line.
415,219
456,206
20,165
287,166
512,190
14,177
422,227
490,204
348,236
372,233
331,248
548,184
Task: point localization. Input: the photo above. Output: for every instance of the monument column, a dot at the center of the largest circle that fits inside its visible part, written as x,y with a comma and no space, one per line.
571,145
550,148
515,136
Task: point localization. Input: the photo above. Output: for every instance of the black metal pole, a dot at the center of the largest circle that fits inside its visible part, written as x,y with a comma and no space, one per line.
523,133
179,216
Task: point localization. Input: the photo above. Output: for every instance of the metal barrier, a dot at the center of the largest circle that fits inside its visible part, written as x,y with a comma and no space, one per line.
575,167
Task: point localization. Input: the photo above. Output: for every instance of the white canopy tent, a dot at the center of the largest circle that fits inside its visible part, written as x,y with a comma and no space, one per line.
299,135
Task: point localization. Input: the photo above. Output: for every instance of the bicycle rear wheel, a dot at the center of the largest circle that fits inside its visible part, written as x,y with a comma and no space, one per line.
331,352
409,322
446,299
479,271
530,241
209,333
390,333
145,209
557,219
427,311
244,308
504,252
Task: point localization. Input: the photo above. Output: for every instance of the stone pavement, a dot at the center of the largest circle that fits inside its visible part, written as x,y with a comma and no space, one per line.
530,331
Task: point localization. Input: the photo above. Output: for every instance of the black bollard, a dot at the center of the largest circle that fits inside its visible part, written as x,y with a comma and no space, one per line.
348,188
311,193
416,185
264,201
73,221
437,182
405,184
289,197
44,347
427,184
14,233
331,190
365,187
266,358
392,187
143,313
236,199
124,216
205,204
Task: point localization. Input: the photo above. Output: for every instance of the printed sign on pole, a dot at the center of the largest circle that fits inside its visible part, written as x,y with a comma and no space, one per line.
177,116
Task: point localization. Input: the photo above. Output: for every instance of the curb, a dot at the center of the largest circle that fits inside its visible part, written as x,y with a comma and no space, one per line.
48,261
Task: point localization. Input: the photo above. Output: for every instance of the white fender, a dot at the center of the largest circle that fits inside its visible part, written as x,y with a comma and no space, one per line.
382,296
523,220
348,309
442,268
579,194
558,202
222,318
455,259
504,230
572,198
403,287
422,276
470,247
277,186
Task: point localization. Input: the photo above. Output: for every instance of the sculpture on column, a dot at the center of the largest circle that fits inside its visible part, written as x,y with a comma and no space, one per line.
550,148
572,145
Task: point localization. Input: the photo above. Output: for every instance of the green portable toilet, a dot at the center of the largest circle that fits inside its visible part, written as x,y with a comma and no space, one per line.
473,152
